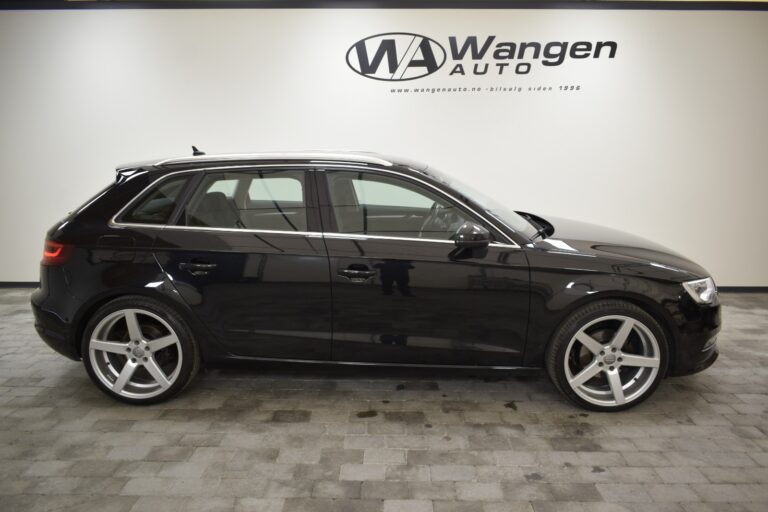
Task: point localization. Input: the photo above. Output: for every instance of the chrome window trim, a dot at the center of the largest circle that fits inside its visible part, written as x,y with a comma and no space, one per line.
357,236
114,223
311,234
316,234
241,230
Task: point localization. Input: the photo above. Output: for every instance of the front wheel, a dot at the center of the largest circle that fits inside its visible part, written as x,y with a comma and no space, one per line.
608,356
139,351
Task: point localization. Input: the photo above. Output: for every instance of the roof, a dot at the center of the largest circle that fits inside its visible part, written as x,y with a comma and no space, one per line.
358,157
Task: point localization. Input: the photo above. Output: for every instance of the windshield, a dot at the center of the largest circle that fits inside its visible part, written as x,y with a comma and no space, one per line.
496,209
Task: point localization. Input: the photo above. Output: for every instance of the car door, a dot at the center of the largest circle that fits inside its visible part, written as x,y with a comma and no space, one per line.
402,291
247,256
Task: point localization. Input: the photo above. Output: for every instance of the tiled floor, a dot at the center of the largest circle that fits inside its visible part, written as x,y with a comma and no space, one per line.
370,439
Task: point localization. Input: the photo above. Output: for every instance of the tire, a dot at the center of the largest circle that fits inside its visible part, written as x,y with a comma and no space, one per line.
608,356
144,366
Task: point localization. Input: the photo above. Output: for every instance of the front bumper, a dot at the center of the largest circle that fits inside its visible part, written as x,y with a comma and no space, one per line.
696,347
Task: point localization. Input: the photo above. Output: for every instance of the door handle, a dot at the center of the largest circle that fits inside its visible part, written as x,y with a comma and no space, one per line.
357,276
197,268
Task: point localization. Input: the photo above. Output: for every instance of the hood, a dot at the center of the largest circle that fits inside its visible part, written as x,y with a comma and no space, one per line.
621,250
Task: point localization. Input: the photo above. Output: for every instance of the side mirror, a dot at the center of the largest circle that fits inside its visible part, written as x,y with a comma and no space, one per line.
472,236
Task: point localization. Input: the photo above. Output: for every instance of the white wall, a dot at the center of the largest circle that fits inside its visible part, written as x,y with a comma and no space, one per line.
668,140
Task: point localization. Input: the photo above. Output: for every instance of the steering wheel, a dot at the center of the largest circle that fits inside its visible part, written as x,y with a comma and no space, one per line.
430,218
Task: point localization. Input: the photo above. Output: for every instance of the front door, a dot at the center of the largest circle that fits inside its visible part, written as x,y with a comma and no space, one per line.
248,258
402,292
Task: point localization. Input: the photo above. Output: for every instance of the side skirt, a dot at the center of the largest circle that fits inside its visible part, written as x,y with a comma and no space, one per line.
232,359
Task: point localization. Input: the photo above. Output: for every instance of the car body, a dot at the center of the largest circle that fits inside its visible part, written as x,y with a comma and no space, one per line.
339,257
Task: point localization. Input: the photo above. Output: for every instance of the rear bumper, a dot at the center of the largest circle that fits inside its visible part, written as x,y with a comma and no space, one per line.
54,330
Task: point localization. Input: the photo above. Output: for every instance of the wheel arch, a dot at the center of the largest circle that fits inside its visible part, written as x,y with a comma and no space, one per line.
644,302
87,310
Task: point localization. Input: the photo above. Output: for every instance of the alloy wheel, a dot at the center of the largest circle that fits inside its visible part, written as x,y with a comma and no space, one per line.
612,360
135,353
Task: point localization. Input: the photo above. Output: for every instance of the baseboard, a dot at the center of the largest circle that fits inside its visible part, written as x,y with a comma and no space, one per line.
19,284
743,289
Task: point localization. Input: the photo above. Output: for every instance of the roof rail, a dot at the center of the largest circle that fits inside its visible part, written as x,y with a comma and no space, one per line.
324,156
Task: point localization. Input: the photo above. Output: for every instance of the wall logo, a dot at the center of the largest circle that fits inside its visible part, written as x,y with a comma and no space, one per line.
400,56
396,56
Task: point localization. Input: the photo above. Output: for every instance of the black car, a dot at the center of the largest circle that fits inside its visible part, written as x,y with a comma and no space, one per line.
358,258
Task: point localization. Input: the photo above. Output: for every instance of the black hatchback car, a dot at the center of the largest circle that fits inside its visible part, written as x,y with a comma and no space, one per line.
358,258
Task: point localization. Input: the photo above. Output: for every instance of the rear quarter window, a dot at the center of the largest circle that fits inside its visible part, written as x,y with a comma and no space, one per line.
158,204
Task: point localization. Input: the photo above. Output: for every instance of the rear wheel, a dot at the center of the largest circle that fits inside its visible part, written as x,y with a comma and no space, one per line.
608,356
139,351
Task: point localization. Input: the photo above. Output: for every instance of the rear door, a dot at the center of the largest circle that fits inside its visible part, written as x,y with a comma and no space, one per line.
246,254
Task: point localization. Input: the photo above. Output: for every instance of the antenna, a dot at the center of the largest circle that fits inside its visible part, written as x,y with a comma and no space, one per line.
197,152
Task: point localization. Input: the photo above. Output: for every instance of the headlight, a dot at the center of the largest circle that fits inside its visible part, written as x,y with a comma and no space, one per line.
703,291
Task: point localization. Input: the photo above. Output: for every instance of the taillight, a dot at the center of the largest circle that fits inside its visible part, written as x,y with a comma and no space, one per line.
55,253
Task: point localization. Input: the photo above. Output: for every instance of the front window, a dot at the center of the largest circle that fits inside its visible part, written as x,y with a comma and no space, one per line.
496,209
258,200
371,204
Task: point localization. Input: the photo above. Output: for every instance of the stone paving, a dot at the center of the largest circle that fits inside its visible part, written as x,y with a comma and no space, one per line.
276,438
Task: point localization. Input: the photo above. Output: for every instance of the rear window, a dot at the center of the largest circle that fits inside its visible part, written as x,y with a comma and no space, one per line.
157,205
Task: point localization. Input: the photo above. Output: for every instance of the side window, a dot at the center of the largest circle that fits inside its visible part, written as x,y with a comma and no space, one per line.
381,193
263,200
371,204
158,205
282,190
226,187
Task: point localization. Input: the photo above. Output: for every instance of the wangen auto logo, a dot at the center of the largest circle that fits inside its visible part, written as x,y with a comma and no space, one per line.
396,56
400,56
